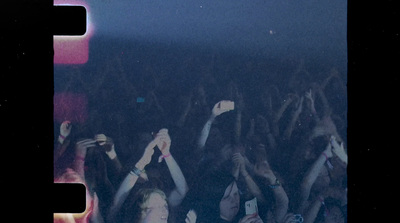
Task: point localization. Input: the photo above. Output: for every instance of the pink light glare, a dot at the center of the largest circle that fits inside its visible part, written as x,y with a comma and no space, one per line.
70,106
73,49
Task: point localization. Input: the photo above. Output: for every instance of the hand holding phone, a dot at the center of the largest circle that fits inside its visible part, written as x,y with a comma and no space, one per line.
223,106
251,206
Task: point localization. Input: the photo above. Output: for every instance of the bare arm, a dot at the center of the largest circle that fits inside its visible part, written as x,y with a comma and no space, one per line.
270,137
239,162
109,147
238,121
218,109
80,154
62,140
181,187
263,170
205,132
312,212
310,97
131,179
289,129
311,176
278,115
326,110
188,106
338,150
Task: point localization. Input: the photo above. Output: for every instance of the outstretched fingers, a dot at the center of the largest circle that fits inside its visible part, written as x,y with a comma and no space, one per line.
191,217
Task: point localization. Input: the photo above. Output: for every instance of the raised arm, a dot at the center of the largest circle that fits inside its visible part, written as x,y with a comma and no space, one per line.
131,179
108,144
80,155
338,150
312,175
62,141
311,100
278,115
238,120
181,187
240,165
312,212
263,170
219,108
261,120
186,111
326,109
289,129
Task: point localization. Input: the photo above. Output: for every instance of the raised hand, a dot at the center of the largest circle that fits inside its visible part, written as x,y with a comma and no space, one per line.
163,141
309,95
263,169
107,143
101,139
239,165
238,160
251,218
299,107
338,150
191,217
222,106
82,146
65,129
148,153
328,150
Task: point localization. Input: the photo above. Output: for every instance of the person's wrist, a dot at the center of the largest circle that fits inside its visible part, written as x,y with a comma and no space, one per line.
80,152
61,138
163,156
270,179
111,154
212,117
140,165
244,172
275,184
327,155
166,155
136,171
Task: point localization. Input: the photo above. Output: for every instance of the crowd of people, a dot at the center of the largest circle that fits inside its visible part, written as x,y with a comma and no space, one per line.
291,156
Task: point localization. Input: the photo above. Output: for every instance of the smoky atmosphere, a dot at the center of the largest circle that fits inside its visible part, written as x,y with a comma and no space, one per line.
204,111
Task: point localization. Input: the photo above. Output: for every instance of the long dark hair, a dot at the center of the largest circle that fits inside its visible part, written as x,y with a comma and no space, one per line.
207,194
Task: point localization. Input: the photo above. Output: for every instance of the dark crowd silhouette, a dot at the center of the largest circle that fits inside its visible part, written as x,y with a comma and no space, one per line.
161,145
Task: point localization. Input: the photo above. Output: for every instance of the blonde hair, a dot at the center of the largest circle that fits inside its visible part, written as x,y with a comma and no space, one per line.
144,195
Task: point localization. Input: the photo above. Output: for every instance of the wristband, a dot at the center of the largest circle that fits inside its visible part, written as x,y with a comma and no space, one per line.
61,136
277,184
160,159
327,160
136,171
326,156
